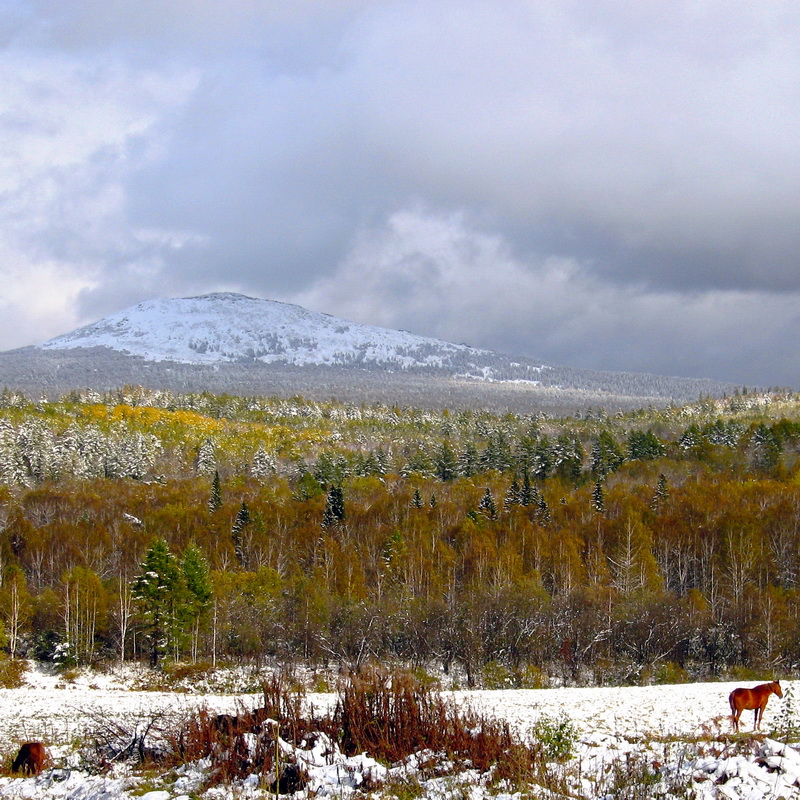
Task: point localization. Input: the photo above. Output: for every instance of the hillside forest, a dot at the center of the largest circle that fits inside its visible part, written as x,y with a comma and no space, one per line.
505,549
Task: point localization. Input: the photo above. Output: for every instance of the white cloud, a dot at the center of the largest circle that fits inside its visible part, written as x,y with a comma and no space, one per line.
73,133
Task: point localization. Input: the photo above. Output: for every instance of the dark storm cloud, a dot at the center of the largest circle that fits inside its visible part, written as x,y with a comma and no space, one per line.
638,153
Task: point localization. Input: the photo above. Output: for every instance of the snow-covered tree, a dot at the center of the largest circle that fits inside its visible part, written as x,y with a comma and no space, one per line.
206,462
263,465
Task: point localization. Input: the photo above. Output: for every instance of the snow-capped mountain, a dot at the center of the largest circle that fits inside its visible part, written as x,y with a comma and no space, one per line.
226,327
229,343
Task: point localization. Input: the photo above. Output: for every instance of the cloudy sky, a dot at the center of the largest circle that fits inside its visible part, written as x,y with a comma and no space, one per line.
606,184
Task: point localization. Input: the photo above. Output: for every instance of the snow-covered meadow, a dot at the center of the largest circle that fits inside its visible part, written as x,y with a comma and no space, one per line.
678,730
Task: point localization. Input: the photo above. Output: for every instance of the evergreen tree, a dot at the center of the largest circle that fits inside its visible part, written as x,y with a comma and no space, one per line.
542,463
543,512
198,593
416,500
487,504
529,495
12,468
206,457
334,508
598,498
469,461
606,455
331,469
513,496
644,446
263,465
694,441
661,494
766,449
568,455
497,454
158,593
215,498
446,463
239,524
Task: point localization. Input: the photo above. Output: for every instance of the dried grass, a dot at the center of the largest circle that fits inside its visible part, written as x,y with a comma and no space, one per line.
390,716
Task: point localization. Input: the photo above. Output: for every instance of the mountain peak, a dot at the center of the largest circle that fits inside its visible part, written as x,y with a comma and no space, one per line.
230,327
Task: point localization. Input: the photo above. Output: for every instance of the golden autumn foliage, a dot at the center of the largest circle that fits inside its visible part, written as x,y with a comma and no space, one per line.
465,538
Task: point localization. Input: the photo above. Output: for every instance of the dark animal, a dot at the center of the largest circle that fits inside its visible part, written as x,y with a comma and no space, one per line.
225,723
249,721
30,759
291,780
755,698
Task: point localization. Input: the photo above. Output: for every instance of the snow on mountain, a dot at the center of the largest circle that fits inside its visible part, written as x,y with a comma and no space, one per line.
227,327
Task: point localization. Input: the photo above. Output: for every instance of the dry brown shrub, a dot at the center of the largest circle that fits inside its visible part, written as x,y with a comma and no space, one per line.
392,715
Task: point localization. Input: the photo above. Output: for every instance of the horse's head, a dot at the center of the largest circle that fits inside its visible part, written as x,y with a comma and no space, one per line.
776,688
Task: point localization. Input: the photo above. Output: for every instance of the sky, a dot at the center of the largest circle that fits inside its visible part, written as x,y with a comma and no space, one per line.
610,184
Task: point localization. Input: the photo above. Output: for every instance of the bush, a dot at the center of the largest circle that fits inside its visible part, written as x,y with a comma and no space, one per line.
530,677
12,672
496,676
670,672
178,673
557,736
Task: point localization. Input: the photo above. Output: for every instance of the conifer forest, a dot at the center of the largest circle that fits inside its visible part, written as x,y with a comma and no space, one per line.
508,549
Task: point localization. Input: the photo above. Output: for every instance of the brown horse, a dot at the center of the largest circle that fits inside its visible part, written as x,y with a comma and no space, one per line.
755,698
30,759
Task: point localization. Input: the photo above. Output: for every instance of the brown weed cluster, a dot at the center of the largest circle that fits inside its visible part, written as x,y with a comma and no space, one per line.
392,715
389,716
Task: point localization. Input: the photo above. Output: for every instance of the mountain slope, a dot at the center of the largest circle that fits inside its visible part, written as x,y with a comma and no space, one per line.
232,328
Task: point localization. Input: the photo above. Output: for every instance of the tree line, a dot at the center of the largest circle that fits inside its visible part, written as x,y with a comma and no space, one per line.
655,545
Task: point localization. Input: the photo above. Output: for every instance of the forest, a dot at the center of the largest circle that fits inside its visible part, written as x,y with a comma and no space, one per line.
656,545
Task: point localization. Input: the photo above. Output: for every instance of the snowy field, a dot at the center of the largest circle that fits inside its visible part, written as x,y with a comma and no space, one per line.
613,724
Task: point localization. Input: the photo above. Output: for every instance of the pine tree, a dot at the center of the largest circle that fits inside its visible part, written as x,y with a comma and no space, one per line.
263,465
445,463
198,593
568,457
766,449
487,504
416,500
598,498
661,494
239,524
543,512
529,495
513,496
644,446
157,591
12,468
606,455
468,461
542,462
334,508
215,498
206,457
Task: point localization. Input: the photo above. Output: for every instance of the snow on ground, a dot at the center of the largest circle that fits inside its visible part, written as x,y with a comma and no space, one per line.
682,710
614,725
